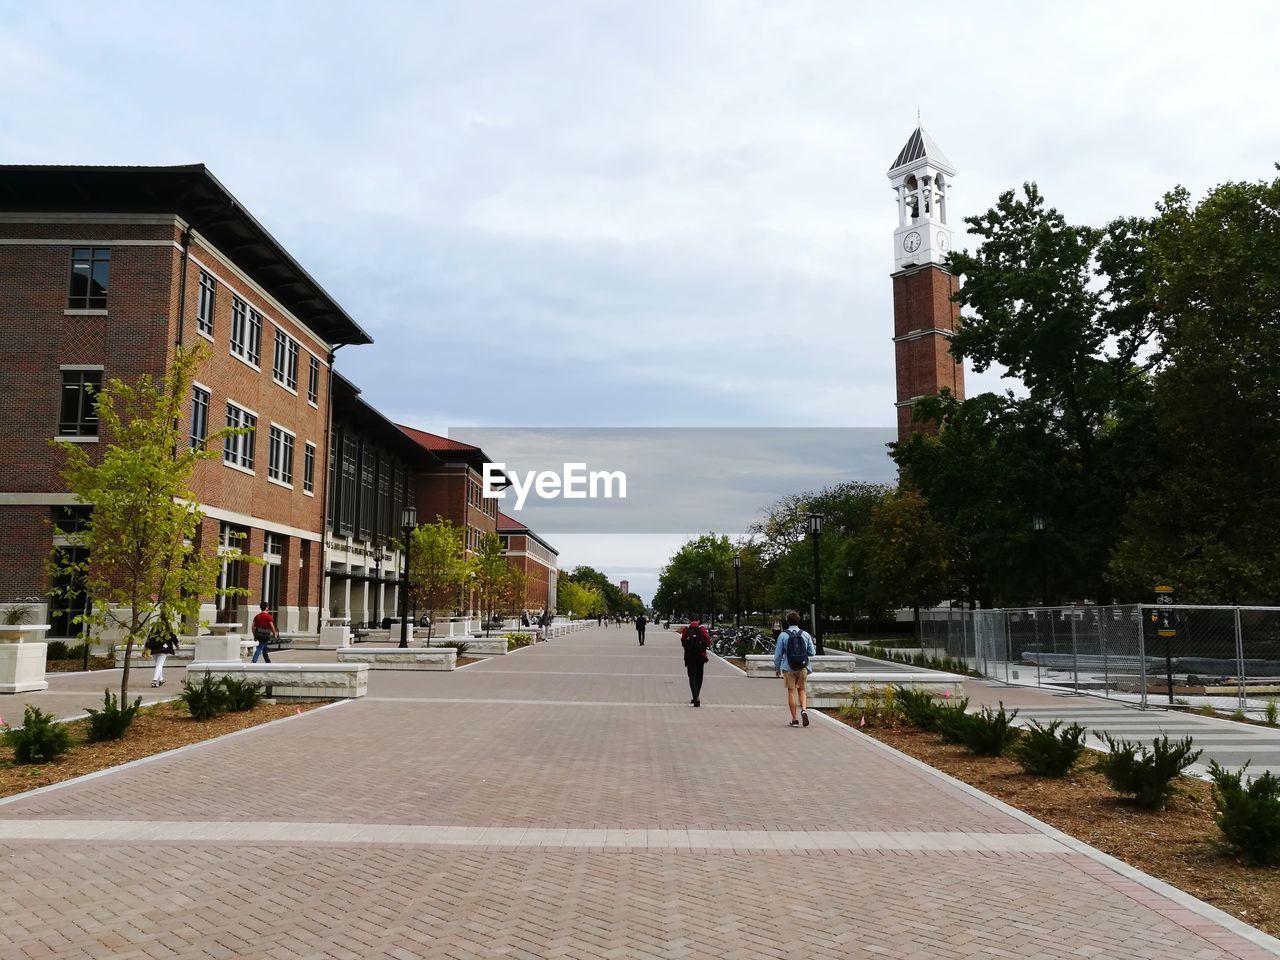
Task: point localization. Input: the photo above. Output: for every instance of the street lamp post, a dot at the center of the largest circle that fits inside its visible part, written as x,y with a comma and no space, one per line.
737,590
815,533
849,576
1037,524
408,522
711,580
379,556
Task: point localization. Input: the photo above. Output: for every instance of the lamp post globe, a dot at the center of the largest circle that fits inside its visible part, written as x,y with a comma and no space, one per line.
408,522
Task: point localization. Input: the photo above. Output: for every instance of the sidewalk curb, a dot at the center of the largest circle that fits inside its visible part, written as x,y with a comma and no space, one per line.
1179,897
5,801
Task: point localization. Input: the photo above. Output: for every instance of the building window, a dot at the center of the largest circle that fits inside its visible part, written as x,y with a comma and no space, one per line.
280,455
313,381
204,305
309,468
78,405
232,572
70,520
199,417
239,445
90,270
284,369
246,331
347,513
367,502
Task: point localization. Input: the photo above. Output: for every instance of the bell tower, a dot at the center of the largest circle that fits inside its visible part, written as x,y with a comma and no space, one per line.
924,317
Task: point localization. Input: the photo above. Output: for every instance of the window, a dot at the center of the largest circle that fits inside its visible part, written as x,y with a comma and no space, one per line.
239,446
90,269
367,503
246,331
309,468
232,573
70,520
313,381
78,406
204,305
199,417
285,368
280,455
347,490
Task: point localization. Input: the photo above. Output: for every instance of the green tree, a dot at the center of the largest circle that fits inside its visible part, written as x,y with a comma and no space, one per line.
908,553
1209,521
700,571
438,567
141,533
614,602
574,598
492,574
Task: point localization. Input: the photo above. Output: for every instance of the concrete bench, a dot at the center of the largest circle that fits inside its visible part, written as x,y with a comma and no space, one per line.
761,665
395,658
833,689
485,646
186,653
293,681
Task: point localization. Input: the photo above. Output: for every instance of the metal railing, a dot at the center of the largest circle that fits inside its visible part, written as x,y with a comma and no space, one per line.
1227,657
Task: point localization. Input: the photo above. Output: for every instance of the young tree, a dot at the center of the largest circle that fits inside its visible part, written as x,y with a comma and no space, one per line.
492,573
438,567
141,532
517,592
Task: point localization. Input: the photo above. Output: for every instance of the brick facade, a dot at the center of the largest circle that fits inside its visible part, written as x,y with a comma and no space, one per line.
924,317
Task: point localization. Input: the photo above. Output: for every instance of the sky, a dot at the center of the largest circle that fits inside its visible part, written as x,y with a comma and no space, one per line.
666,213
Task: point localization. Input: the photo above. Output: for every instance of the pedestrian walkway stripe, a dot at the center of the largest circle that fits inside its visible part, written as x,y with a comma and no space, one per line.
569,703
257,832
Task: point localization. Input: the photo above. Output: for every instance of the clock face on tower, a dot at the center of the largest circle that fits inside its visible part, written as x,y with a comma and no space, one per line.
911,242
944,242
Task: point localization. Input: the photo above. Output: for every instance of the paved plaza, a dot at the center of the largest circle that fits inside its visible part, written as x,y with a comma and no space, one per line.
564,801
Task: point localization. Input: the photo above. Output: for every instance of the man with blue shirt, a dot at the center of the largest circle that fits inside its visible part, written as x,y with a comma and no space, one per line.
791,660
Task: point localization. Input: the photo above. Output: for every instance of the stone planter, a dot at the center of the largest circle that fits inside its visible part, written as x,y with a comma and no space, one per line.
761,665
23,654
396,658
833,689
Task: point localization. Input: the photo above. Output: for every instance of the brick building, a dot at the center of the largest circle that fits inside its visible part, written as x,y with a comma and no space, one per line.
108,271
924,315
538,560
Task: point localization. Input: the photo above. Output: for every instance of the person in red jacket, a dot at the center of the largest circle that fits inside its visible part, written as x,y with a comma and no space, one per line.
264,628
695,640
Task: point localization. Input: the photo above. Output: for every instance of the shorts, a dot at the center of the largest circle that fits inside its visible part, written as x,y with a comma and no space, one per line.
795,678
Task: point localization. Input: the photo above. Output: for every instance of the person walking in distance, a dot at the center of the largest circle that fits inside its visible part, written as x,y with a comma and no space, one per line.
791,661
641,621
161,643
264,628
695,640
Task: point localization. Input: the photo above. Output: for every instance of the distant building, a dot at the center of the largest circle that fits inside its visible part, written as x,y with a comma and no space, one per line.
537,559
625,587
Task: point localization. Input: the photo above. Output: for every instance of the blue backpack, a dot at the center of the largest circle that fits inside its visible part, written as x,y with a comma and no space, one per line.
797,649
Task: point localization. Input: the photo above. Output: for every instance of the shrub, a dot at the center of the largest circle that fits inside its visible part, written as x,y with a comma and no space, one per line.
517,640
112,721
57,650
206,701
1046,752
241,694
16,616
41,737
872,706
919,708
1146,773
74,652
990,733
1248,814
461,646
1272,714
952,719
1205,710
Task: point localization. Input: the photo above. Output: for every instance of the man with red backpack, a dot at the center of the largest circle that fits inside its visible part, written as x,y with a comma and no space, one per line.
791,660
695,640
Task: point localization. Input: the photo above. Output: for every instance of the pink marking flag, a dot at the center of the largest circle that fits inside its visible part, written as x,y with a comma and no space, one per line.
862,722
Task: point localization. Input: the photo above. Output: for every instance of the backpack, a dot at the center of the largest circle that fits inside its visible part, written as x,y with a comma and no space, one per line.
695,642
797,650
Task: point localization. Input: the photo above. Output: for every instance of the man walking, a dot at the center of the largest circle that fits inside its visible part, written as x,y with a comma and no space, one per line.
640,625
791,660
264,628
695,640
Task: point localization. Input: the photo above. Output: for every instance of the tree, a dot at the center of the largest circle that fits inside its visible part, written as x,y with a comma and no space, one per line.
517,592
908,553
614,602
492,574
698,578
574,598
438,567
141,533
1209,520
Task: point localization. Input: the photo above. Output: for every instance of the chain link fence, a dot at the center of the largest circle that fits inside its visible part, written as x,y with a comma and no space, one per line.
1221,656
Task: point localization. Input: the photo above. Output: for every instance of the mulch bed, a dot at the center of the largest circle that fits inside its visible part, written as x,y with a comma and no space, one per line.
1179,845
77,665
156,729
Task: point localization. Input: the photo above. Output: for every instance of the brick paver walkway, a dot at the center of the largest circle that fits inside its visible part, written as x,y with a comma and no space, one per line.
564,801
